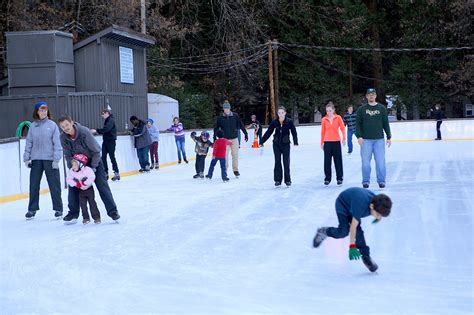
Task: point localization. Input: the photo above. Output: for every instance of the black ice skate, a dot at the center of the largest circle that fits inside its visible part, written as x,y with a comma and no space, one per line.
326,182
186,161
116,177
277,184
320,237
114,215
70,219
86,221
288,184
58,214
225,179
365,185
30,215
196,176
381,185
237,174
339,183
369,263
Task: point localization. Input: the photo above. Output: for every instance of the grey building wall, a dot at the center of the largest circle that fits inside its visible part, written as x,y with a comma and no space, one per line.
97,67
40,62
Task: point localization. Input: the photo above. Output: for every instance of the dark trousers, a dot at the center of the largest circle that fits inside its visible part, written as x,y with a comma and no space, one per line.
108,147
143,158
200,163
281,150
259,134
332,150
54,183
438,129
213,164
88,196
104,191
343,230
154,152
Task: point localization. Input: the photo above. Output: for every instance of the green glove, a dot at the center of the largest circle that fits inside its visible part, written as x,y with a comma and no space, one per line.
354,253
375,221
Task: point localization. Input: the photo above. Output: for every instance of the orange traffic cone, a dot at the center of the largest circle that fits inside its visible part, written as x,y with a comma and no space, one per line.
255,141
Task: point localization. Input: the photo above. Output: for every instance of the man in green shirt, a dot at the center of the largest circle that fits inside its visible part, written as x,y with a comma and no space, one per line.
371,122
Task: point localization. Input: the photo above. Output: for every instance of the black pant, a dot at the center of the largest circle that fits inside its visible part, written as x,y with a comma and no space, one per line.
104,191
259,134
280,150
54,184
332,150
438,129
88,196
343,230
200,162
108,147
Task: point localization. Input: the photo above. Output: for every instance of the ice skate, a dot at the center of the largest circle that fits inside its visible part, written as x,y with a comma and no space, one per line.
369,263
116,177
97,221
58,214
277,184
70,219
339,183
30,215
237,174
320,237
86,221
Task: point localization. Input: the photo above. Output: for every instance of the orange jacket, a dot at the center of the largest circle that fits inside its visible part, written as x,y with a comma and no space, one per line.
330,132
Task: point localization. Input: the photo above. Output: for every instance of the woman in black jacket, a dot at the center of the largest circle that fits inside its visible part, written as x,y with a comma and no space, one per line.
281,144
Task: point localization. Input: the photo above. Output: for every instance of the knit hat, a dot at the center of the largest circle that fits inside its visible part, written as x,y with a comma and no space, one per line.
38,105
370,91
81,159
226,105
205,134
150,121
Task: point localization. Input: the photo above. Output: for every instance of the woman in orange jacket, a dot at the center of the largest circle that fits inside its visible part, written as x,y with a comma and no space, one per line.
331,124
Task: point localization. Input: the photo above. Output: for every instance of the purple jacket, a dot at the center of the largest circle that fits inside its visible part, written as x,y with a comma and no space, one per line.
177,129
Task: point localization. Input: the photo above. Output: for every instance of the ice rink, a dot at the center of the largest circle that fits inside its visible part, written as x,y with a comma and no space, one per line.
187,246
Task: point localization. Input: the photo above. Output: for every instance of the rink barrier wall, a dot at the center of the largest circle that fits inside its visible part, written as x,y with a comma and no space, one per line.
14,184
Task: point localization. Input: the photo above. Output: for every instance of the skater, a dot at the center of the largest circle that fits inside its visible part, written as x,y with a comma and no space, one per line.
178,130
155,138
42,153
257,126
81,177
142,142
109,142
371,122
439,115
331,124
229,122
350,122
352,205
78,139
219,154
202,148
281,145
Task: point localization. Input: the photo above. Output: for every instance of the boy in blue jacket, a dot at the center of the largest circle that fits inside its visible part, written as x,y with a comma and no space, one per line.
352,205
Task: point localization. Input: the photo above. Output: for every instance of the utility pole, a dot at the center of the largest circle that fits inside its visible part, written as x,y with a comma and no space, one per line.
270,79
143,16
275,67
350,78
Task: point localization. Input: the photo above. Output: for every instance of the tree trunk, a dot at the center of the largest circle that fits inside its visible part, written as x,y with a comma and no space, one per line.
376,55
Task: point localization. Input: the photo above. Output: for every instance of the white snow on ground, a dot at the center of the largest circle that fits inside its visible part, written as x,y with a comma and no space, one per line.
187,246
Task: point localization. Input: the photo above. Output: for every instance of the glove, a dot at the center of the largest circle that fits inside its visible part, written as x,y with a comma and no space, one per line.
78,183
55,165
354,253
374,221
246,138
84,179
28,164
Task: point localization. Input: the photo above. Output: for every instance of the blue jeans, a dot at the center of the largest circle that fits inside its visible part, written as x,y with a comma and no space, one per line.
143,157
377,148
213,164
180,147
349,140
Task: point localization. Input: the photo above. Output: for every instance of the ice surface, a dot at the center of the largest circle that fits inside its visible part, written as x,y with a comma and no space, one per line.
190,246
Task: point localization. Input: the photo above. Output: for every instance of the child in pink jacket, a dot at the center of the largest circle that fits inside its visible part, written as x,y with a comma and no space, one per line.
82,177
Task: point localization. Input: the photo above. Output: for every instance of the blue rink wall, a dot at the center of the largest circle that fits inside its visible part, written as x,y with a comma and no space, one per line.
15,180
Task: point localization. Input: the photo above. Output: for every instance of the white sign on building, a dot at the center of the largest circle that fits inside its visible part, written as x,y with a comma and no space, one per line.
126,65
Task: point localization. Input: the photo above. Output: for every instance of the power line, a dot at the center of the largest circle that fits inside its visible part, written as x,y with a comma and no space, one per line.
375,49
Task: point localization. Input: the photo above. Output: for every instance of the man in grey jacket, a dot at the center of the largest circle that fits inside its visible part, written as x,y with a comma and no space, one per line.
78,139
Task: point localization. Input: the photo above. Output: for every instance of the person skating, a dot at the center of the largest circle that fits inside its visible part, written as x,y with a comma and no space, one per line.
229,122
219,155
371,122
142,141
282,126
155,138
439,115
331,124
178,130
202,148
352,205
81,177
350,122
257,126
78,139
42,154
109,142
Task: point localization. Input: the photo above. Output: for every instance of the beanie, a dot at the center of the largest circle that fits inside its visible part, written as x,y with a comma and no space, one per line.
226,105
150,121
38,105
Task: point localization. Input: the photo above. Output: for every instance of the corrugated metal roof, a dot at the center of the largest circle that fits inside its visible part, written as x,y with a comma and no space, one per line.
120,34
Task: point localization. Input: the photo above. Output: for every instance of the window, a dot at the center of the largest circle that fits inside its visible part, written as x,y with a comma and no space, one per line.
469,110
